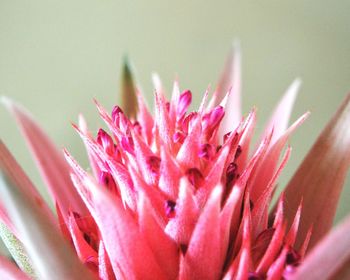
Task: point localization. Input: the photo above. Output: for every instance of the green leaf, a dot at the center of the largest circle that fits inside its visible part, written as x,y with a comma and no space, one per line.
128,90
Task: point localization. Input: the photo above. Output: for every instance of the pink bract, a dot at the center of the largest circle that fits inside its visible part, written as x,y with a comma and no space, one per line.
181,195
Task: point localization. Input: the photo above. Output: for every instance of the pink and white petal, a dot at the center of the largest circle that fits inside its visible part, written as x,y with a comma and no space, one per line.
92,158
279,119
330,258
10,166
83,249
180,227
261,205
145,118
231,81
165,249
320,178
213,177
248,130
104,265
268,165
121,235
9,271
50,161
165,125
40,237
187,156
275,271
203,259
170,174
273,249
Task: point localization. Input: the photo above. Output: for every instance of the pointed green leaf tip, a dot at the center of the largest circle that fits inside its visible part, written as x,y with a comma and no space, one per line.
128,90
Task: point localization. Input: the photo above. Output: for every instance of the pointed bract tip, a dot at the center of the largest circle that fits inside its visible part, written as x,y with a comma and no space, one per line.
128,90
6,101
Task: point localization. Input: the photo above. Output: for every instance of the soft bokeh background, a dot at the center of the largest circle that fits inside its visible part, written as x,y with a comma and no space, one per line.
55,56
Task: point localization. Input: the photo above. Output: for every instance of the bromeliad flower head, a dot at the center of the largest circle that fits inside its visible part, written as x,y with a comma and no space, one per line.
180,195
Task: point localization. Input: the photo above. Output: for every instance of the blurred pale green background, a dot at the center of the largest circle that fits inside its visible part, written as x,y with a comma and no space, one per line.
55,56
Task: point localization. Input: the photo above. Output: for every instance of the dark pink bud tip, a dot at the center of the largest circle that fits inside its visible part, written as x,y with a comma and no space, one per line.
116,114
154,164
238,151
226,136
195,177
254,276
107,180
212,119
127,144
293,258
206,151
167,106
231,172
184,102
105,141
137,127
170,208
179,137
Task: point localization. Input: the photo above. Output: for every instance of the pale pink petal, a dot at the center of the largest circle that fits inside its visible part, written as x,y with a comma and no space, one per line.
268,165
248,129
231,80
330,258
154,195
275,271
43,243
187,156
170,174
121,236
92,159
203,259
105,269
186,215
293,231
272,250
9,165
320,178
118,171
148,162
9,271
165,125
174,99
213,177
244,258
83,249
157,84
145,118
278,121
50,161
261,205
165,249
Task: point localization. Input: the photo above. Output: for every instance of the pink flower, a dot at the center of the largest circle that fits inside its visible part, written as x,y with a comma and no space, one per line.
181,195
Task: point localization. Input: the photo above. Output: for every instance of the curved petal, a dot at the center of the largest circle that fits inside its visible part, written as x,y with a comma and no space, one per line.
278,121
46,248
329,258
203,259
50,161
230,81
10,166
320,178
